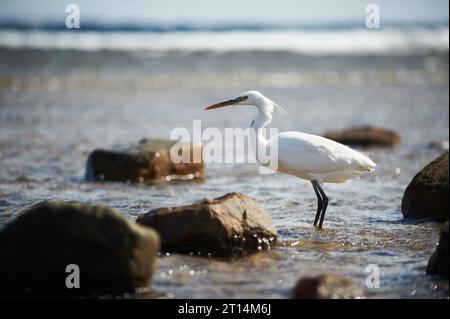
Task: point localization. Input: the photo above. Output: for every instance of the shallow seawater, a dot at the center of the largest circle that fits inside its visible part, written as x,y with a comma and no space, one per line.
57,106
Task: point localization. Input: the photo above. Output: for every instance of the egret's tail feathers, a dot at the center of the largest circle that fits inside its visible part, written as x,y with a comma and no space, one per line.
370,165
366,163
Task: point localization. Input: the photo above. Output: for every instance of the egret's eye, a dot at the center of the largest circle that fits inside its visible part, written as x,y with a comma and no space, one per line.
242,98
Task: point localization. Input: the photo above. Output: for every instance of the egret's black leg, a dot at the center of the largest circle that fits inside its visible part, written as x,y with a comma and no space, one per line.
319,203
324,203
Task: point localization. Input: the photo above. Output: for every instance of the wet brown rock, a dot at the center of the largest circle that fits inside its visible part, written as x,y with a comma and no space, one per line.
366,136
147,161
327,287
231,225
427,194
438,263
113,254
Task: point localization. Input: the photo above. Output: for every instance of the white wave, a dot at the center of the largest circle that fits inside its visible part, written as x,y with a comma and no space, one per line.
353,41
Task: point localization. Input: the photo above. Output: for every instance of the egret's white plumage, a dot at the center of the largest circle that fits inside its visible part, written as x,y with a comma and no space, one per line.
307,156
314,157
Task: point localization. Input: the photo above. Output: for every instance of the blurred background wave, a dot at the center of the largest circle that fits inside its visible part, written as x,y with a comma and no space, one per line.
310,27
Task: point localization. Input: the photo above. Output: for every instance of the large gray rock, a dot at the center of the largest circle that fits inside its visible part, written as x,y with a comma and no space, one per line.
113,254
438,263
149,160
427,194
232,225
365,136
327,287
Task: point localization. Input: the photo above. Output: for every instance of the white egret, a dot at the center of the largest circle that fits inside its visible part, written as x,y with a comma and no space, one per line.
306,156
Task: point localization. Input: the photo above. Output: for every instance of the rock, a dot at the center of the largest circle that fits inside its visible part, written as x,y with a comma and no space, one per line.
327,287
438,263
147,161
366,136
232,225
427,194
439,145
113,254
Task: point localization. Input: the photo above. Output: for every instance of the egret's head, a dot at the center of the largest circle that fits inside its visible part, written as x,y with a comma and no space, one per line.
254,98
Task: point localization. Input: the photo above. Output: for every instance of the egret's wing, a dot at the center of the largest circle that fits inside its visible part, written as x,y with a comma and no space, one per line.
315,154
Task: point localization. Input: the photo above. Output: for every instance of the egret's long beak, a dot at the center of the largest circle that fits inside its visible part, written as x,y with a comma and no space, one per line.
226,103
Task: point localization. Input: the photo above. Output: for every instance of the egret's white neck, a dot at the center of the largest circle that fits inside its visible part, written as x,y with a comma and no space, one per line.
259,142
265,108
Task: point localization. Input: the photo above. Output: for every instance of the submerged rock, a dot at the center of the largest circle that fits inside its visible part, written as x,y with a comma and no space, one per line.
438,263
365,136
427,194
113,254
232,225
327,287
439,145
149,160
